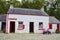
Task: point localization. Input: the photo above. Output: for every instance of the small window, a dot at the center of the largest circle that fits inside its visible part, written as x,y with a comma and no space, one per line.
20,24
40,25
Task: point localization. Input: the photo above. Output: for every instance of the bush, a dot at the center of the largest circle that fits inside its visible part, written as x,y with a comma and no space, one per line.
57,31
4,30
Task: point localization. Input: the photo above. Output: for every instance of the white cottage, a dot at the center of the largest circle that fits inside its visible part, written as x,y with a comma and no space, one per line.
21,20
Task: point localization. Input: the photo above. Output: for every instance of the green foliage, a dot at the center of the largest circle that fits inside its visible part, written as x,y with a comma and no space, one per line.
57,31
54,10
35,4
16,3
3,7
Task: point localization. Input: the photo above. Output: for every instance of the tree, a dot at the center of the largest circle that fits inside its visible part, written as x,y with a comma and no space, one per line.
3,7
35,4
15,3
54,10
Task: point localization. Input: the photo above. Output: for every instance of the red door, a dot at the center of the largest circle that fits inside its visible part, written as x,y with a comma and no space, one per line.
58,26
12,26
50,26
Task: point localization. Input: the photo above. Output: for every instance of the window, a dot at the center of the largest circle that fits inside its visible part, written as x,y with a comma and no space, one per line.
20,24
40,25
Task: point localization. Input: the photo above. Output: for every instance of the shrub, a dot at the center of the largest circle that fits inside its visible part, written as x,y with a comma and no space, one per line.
57,31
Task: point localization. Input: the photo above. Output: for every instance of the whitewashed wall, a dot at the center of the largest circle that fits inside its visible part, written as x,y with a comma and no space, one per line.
26,19
0,25
54,27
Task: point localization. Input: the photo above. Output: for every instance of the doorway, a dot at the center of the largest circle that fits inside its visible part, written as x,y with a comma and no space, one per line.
12,27
31,25
3,28
58,26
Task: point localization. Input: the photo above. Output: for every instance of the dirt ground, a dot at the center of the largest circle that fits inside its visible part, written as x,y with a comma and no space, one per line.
16,36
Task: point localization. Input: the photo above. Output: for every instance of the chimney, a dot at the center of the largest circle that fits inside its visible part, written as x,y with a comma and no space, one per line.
11,5
42,9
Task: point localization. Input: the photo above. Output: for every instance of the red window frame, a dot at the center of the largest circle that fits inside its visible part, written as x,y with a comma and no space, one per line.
22,27
12,18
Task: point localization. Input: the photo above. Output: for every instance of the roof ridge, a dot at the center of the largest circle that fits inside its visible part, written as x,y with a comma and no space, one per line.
27,9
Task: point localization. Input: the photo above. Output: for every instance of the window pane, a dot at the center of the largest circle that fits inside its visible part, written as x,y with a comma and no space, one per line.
40,25
20,24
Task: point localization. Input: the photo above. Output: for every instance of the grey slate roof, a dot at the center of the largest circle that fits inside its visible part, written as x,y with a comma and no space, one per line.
3,17
27,11
53,20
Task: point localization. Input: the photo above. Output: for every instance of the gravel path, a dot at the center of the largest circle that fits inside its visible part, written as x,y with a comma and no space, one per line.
13,36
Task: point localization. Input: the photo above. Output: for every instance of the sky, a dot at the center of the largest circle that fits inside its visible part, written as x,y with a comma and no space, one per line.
19,0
